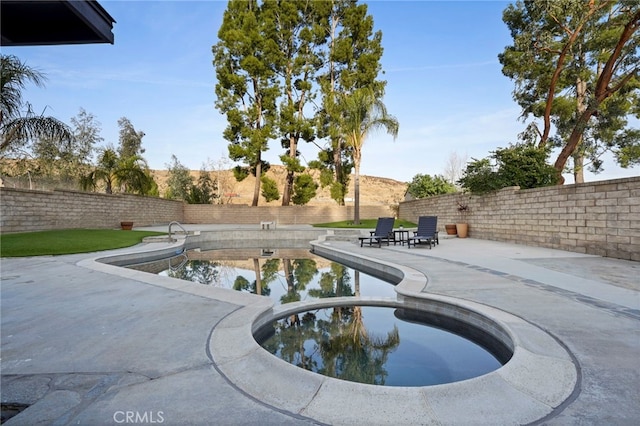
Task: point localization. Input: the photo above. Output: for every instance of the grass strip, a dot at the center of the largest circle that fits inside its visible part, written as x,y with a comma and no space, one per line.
68,241
364,224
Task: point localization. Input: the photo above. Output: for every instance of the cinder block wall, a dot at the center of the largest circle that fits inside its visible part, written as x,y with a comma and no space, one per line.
601,218
289,215
26,210
23,210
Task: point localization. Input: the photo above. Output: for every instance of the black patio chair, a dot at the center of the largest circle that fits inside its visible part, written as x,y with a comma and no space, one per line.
382,233
427,232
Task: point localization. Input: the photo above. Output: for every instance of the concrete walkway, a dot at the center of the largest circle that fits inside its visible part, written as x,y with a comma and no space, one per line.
89,343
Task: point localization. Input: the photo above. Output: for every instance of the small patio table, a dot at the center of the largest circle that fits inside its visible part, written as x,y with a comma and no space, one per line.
400,236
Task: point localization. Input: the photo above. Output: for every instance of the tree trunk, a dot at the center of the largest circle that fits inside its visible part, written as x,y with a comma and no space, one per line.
288,182
288,276
337,165
572,143
286,192
256,268
578,167
578,155
256,187
356,189
356,281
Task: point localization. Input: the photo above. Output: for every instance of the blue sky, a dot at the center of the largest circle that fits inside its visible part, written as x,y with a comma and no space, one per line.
444,84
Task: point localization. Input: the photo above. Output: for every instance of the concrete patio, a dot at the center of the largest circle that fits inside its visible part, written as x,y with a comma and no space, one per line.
84,342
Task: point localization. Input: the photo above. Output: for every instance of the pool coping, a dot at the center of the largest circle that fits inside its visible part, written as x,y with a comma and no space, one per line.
539,378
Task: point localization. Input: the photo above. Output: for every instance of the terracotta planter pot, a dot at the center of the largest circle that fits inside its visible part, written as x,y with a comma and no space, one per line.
451,229
126,226
462,229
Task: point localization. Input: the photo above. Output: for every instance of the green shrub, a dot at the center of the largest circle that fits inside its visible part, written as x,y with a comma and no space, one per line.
523,165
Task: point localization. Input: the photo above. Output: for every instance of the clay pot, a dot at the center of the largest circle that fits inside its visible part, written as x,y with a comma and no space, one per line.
451,229
126,226
462,229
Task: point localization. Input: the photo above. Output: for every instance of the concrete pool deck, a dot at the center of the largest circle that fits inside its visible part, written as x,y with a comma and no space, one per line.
89,343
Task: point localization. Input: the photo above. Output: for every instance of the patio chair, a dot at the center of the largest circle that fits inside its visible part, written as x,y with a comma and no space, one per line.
382,233
427,232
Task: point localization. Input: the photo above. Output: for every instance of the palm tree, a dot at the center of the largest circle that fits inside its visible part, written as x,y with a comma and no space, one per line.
129,174
133,175
14,126
363,113
105,171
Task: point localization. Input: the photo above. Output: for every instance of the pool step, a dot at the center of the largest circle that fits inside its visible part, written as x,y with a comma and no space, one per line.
344,234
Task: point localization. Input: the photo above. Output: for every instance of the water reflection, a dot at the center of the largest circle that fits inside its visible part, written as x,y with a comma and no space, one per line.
285,275
264,274
197,271
380,346
334,283
371,345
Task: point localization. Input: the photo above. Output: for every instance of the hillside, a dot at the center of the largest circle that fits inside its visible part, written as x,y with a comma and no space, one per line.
373,190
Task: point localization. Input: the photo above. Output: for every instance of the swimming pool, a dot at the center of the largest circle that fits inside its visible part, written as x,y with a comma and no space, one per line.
541,375
378,345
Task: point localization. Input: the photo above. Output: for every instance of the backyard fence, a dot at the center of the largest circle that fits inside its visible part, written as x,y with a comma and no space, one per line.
23,210
601,218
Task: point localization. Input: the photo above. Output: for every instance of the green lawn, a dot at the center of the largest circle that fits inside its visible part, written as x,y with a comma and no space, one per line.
68,241
71,241
364,223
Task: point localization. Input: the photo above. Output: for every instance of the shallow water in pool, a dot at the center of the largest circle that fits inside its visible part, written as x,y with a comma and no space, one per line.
374,345
284,275
377,345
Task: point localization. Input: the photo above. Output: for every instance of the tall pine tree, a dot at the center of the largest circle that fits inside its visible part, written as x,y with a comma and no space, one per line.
575,67
247,88
352,61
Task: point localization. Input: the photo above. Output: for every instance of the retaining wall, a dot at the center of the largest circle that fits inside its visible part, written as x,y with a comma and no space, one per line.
23,210
27,210
601,218
289,215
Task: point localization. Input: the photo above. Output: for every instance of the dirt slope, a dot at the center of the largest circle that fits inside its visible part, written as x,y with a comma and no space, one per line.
373,190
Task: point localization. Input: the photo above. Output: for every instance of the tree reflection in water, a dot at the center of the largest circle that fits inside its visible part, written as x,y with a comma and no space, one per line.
198,271
354,343
334,283
296,273
340,345
290,276
264,276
